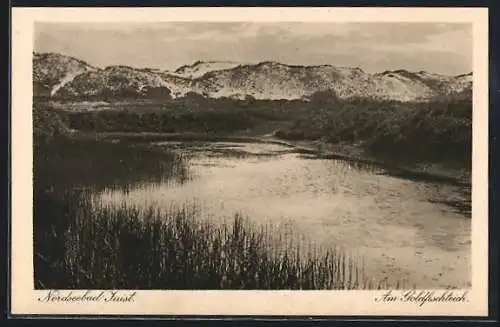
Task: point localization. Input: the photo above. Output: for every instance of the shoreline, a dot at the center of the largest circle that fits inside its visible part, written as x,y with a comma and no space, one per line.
321,150
431,172
400,261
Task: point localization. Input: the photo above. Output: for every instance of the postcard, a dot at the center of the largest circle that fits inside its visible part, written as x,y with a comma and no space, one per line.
250,161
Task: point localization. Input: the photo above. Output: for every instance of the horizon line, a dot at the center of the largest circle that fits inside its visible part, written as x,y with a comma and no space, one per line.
243,63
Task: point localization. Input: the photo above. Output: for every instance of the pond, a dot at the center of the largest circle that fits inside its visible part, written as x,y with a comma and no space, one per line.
405,230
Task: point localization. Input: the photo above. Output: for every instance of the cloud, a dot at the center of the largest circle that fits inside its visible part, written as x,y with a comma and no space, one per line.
224,32
436,47
396,33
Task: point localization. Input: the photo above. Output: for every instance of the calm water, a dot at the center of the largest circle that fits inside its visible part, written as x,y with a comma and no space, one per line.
405,230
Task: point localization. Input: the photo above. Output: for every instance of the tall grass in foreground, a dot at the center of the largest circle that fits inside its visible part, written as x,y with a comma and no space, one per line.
79,245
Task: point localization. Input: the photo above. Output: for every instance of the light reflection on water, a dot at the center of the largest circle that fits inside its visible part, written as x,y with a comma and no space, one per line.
396,223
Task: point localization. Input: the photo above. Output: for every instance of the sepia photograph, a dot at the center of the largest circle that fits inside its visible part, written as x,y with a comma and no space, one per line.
252,155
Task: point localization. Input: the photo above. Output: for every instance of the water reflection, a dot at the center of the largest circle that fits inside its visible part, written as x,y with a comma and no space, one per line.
66,164
459,200
334,202
354,204
270,182
246,172
348,163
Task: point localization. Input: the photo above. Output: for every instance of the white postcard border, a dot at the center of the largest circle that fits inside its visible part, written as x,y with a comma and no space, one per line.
24,299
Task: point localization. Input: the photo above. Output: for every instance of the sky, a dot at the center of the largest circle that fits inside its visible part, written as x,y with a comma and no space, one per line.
444,48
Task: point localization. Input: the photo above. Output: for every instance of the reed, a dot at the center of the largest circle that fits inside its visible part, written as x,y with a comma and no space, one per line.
81,244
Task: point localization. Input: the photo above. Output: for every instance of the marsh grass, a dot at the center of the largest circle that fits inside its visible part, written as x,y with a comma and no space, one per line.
63,164
81,244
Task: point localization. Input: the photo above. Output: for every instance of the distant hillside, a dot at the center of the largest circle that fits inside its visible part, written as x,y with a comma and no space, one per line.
56,75
200,68
52,71
123,81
